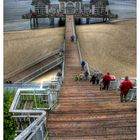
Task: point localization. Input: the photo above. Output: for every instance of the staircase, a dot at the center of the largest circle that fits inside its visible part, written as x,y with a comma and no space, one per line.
86,113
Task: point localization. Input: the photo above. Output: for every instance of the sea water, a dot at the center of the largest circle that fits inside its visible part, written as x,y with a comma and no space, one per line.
14,9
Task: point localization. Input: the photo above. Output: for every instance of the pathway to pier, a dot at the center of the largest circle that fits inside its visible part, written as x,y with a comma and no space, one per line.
18,76
86,113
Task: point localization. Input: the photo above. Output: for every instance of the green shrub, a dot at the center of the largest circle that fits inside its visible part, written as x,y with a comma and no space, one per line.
9,124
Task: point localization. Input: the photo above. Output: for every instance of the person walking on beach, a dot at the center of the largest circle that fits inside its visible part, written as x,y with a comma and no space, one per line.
83,64
106,81
125,86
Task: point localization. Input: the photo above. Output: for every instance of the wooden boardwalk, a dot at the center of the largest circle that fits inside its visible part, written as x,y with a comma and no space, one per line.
86,113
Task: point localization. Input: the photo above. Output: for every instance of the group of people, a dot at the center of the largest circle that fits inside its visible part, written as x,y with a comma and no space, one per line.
125,85
104,81
95,79
82,76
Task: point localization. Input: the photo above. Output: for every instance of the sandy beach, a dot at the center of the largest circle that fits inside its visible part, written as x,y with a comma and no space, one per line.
106,47
23,47
110,47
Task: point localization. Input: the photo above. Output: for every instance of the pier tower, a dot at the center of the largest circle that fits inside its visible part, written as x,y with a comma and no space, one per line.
99,7
70,6
40,6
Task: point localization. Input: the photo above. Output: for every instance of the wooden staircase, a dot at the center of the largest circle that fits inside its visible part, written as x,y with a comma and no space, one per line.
86,113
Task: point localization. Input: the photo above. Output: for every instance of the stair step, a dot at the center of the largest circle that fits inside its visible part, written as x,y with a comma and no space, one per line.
93,118
107,137
100,131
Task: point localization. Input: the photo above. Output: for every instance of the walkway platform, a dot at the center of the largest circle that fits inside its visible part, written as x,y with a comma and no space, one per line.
35,69
86,113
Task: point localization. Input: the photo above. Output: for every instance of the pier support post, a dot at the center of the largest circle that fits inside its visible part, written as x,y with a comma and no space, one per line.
34,22
87,20
77,21
37,22
31,23
61,22
51,21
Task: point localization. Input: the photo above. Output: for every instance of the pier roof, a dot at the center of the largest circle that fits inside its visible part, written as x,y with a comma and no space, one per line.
70,0
34,2
94,1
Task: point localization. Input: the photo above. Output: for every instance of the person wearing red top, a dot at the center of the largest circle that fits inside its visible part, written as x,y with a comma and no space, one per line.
106,81
125,86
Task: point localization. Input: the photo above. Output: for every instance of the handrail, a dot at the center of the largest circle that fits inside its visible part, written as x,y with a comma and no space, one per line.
64,48
78,48
40,71
37,126
79,51
21,85
63,64
33,63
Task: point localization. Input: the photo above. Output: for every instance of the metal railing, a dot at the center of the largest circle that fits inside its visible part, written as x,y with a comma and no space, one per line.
28,109
31,124
16,86
79,50
33,63
63,64
41,71
29,103
132,95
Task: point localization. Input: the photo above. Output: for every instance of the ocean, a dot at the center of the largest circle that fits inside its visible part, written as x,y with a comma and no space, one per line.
14,9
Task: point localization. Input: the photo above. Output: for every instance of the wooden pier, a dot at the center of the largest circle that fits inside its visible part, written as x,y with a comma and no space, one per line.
84,112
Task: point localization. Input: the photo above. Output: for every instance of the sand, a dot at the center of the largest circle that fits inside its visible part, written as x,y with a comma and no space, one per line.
106,47
50,75
110,47
24,47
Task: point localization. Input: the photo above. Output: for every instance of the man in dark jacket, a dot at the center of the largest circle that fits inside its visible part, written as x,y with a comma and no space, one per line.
125,86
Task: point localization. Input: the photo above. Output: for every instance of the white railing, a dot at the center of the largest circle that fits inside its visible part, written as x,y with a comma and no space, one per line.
78,48
41,71
63,64
132,95
132,79
16,86
28,109
31,123
36,128
33,63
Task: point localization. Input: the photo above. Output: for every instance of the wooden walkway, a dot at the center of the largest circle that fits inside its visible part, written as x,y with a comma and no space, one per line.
29,70
86,113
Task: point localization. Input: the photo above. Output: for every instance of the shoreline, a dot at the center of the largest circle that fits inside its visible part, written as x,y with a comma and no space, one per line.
57,26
